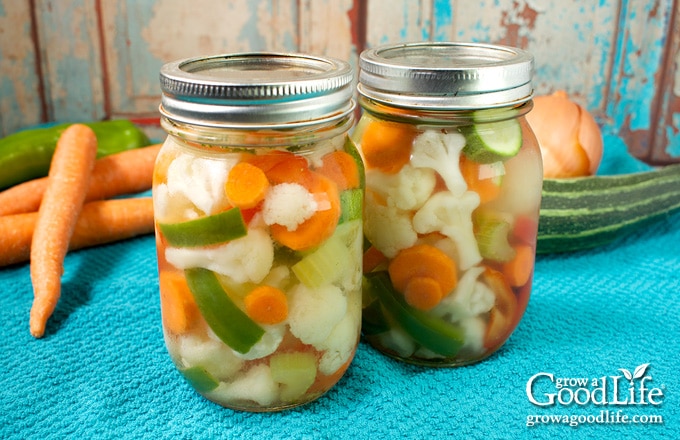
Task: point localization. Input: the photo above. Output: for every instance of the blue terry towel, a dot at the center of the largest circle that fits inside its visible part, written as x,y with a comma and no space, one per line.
102,371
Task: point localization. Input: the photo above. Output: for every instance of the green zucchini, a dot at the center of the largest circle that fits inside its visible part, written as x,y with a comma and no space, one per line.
587,212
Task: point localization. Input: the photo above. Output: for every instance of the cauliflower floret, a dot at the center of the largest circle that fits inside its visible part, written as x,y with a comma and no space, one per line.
172,209
470,298
342,340
452,216
255,385
388,228
441,152
339,345
278,277
215,356
312,313
398,341
200,181
288,204
474,329
408,189
245,259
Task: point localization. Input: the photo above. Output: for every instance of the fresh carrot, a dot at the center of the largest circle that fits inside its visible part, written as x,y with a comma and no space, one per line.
518,270
320,225
178,307
68,181
100,222
372,259
266,305
246,185
117,174
341,168
486,186
386,145
423,261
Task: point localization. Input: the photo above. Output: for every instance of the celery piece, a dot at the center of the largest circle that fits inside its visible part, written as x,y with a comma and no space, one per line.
295,372
430,332
492,233
225,319
325,265
199,378
352,205
213,229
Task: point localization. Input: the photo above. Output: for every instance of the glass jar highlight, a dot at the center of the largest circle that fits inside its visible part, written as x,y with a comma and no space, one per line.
453,188
258,202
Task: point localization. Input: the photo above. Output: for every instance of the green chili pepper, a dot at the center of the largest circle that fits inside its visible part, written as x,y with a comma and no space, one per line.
27,154
226,320
213,229
430,332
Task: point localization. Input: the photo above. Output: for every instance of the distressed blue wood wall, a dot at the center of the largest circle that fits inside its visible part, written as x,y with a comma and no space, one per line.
65,60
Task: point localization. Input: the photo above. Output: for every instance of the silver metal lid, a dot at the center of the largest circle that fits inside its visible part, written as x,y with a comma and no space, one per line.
446,75
256,90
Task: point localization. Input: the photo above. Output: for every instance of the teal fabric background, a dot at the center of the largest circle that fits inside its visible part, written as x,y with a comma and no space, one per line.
102,370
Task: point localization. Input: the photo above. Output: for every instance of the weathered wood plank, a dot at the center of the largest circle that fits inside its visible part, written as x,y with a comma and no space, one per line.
20,89
141,36
70,58
634,95
571,41
396,21
326,29
619,58
666,144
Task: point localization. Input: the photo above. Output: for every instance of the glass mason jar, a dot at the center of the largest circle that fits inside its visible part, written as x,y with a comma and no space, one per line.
258,196
453,188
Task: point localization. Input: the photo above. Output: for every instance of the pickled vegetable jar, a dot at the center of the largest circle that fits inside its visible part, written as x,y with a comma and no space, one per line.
453,187
258,196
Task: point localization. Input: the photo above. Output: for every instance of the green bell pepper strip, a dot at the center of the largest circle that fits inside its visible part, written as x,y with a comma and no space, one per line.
213,229
430,332
199,378
27,154
226,320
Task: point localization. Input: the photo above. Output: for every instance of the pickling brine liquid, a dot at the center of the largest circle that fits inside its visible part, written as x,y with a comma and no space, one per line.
451,216
259,253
